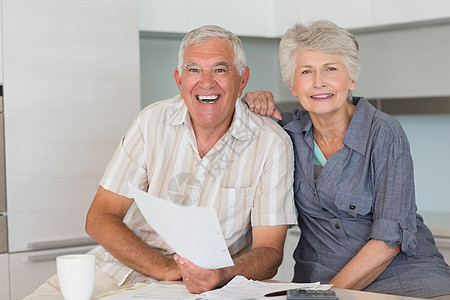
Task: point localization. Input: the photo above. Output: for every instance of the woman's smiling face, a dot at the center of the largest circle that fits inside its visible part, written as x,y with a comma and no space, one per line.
321,82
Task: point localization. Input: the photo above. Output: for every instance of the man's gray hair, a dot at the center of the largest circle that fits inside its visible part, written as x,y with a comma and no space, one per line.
320,36
205,33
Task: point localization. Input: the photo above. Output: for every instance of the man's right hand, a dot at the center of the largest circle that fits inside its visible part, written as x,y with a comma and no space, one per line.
104,223
262,103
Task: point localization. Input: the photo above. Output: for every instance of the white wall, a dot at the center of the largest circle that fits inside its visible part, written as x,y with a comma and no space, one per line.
429,139
158,58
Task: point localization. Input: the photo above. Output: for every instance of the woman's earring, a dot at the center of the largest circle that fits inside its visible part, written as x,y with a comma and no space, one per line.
350,96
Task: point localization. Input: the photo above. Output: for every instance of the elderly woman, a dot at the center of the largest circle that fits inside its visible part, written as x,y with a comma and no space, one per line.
354,186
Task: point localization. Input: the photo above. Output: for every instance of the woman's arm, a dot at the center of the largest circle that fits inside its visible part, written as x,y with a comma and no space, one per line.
366,266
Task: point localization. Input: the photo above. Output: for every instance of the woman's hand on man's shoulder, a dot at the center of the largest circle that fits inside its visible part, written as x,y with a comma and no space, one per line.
262,103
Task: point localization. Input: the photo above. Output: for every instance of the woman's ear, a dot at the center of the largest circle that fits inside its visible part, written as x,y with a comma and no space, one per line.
293,92
352,85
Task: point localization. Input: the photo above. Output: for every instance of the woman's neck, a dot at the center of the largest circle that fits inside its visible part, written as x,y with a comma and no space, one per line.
329,131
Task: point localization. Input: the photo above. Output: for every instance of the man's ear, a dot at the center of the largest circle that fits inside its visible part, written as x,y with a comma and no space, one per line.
244,80
177,77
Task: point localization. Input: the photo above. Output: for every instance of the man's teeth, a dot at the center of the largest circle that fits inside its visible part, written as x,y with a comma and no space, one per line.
208,99
322,96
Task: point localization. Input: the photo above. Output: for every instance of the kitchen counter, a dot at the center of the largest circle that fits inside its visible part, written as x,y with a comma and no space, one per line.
438,222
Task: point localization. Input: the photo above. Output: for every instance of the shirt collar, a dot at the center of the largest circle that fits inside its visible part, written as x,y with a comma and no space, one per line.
239,127
181,115
358,131
300,122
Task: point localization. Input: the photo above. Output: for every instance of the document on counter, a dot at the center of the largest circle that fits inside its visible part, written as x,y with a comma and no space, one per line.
239,288
193,233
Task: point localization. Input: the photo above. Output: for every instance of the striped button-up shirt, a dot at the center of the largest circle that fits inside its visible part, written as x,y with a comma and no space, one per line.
246,176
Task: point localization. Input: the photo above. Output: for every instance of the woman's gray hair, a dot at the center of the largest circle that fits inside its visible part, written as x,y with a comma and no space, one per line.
205,33
320,36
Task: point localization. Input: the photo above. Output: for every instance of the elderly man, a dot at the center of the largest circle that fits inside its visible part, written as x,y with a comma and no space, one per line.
200,148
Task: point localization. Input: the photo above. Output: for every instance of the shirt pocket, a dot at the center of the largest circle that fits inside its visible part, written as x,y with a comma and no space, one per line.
354,204
234,208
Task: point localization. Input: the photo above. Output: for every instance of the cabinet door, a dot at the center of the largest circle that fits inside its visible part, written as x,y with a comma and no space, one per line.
71,90
4,276
29,270
1,55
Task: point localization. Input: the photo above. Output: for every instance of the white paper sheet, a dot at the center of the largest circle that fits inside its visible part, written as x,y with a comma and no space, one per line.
152,291
240,288
192,232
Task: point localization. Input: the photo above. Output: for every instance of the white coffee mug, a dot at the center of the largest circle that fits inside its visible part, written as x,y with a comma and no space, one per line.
76,274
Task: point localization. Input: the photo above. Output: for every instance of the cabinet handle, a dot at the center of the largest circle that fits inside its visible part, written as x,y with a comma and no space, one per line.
52,256
83,241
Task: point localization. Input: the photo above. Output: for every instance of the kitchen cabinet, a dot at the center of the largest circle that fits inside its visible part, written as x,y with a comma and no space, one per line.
391,61
1,51
29,270
4,276
256,18
3,235
387,12
271,18
71,90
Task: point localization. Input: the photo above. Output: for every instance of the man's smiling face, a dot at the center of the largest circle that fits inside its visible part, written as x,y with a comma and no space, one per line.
210,83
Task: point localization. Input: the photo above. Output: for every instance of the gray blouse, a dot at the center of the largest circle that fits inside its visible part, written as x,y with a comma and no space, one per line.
365,191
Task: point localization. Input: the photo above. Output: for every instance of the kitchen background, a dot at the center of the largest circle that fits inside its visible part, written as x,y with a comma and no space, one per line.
75,73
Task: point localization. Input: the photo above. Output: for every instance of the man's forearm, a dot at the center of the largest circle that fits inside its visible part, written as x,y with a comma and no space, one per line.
258,264
263,260
128,248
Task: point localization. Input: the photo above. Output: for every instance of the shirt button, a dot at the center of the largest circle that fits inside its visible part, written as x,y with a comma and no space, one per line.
314,193
337,226
352,206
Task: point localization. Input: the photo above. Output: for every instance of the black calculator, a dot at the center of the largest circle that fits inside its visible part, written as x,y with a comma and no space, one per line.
300,294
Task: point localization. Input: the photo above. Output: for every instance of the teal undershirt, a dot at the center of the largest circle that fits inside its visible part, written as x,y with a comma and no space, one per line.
319,158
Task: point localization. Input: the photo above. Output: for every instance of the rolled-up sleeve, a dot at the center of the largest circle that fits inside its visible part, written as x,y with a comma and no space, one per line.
394,215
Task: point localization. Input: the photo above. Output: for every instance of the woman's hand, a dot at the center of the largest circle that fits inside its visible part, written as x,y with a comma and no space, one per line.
262,103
